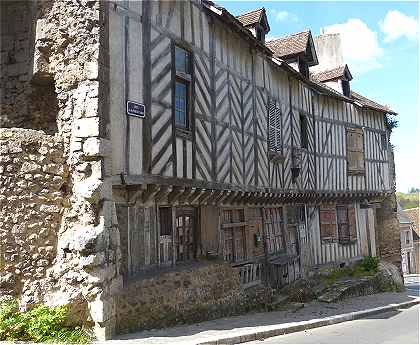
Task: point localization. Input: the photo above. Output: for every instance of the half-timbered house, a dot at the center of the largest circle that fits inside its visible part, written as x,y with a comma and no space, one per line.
186,162
241,152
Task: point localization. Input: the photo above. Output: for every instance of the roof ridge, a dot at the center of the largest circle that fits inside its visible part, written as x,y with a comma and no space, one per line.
290,35
248,12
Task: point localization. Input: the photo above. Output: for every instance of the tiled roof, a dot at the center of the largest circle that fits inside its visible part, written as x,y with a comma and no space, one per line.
371,104
289,45
413,215
330,74
250,18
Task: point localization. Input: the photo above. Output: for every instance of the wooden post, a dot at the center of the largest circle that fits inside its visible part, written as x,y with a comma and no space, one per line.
173,235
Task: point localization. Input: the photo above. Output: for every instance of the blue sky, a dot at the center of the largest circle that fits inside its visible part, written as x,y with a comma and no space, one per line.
380,45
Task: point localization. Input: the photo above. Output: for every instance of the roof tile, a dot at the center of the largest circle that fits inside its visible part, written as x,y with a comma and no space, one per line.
330,74
413,215
289,45
371,104
250,18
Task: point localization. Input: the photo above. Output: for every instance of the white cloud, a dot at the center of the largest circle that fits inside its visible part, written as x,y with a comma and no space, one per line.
283,16
360,45
397,24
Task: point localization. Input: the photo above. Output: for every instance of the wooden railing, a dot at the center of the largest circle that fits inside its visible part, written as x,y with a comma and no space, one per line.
250,274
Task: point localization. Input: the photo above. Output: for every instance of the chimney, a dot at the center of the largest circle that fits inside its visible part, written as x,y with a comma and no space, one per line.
329,51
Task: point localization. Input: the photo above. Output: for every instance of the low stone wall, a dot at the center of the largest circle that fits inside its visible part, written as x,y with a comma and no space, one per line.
33,181
185,295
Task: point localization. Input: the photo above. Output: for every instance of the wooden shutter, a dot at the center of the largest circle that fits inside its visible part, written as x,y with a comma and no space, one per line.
274,127
355,150
352,223
328,222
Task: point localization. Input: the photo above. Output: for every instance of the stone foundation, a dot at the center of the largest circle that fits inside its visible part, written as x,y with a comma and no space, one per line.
186,295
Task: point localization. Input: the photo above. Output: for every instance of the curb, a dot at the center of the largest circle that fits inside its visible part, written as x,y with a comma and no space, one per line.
304,325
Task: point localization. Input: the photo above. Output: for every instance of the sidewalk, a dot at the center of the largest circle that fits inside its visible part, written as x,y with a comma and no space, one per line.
255,326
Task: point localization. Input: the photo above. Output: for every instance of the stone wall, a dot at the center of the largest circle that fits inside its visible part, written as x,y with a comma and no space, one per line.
61,86
27,99
388,232
33,184
387,224
185,295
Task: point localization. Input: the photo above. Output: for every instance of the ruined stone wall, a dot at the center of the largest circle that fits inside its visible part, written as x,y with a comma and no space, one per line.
68,82
185,295
33,182
387,225
27,99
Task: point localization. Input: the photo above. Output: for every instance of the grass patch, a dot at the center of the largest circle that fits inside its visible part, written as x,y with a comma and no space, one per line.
40,324
408,200
367,267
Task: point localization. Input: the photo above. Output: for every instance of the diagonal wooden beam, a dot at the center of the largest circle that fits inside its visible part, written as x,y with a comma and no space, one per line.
193,198
186,194
206,195
176,192
150,192
163,193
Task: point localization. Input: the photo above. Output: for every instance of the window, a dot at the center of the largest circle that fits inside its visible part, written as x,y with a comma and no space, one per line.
303,131
260,34
182,88
182,60
407,237
181,91
384,142
328,223
338,222
183,238
165,236
233,224
274,128
345,84
303,68
273,221
355,151
346,224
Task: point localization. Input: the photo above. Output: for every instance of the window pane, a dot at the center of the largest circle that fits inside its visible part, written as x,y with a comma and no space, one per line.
181,60
180,104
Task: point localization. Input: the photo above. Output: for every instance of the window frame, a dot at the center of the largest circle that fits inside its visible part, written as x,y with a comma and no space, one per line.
407,237
188,80
233,226
304,137
275,115
353,150
171,240
303,68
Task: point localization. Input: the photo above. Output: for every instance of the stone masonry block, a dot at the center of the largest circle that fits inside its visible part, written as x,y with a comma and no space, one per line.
88,127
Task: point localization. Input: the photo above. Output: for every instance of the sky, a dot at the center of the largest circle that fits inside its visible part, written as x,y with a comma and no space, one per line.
380,41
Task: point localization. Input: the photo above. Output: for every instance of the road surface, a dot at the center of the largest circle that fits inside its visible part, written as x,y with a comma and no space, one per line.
412,284
395,327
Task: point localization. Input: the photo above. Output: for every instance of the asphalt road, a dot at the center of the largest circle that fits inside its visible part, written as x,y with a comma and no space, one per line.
412,285
395,327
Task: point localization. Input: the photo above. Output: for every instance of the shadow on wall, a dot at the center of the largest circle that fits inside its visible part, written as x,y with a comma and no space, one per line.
27,92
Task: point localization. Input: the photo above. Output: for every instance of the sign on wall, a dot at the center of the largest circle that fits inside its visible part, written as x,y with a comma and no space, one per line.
136,109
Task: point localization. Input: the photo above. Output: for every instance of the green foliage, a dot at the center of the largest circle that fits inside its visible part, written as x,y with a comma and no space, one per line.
390,122
40,324
370,264
408,200
368,267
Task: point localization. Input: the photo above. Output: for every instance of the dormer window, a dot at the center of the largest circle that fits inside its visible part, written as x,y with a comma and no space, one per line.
256,22
260,35
303,68
346,87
